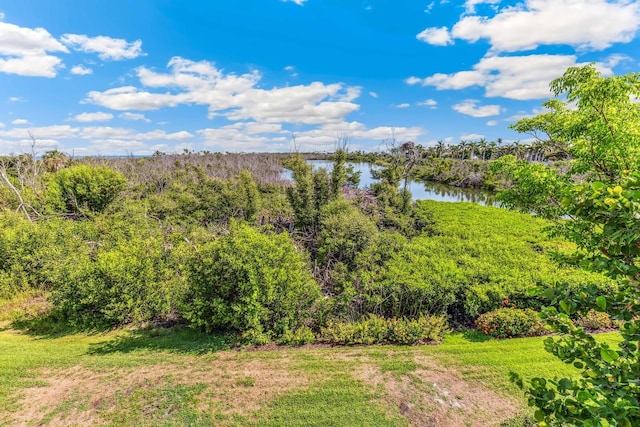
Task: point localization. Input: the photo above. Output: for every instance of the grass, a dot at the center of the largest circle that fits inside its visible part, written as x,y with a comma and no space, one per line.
181,377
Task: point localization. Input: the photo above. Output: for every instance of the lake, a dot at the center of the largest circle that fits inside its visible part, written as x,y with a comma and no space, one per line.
419,190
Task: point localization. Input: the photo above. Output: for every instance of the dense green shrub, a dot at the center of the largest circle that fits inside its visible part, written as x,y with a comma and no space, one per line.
118,283
594,320
81,189
30,252
344,233
302,335
485,255
376,330
510,322
254,283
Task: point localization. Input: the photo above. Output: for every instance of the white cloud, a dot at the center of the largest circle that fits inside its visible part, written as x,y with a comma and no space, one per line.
81,70
471,136
431,103
435,36
373,94
24,51
15,99
585,24
1,16
43,132
107,48
403,105
236,97
429,7
93,117
324,137
96,139
2,125
615,59
515,77
470,5
292,70
20,122
135,116
492,123
298,2
471,108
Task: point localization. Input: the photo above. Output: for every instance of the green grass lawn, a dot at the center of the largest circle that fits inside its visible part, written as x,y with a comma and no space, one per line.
180,377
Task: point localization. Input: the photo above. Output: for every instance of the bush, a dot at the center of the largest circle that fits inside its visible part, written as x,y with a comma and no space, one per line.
249,282
130,282
377,330
81,189
302,335
510,323
594,320
30,252
344,233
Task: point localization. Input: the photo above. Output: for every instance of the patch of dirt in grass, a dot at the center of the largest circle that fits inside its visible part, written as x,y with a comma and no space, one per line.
81,396
435,396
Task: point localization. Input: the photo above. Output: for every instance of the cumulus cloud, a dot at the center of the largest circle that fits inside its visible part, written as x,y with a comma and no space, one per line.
471,108
515,77
81,70
298,2
470,5
584,24
471,136
20,122
492,123
134,116
93,117
436,36
96,139
107,48
236,97
431,103
373,94
26,51
403,105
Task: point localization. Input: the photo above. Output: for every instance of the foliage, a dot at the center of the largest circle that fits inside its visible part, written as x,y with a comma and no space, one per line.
376,330
602,210
344,233
594,321
115,279
473,258
84,189
250,282
509,322
30,252
302,335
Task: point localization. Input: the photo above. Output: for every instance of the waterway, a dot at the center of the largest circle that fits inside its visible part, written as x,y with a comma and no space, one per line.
419,190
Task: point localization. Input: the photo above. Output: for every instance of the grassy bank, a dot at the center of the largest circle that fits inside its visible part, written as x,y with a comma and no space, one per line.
158,377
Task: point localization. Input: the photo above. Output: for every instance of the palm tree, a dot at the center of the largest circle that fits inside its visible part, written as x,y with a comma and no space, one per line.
54,160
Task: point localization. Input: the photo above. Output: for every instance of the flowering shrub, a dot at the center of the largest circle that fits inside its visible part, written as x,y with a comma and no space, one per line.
510,322
376,330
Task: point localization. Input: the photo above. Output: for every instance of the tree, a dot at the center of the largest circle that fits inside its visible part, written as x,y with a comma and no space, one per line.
598,210
55,160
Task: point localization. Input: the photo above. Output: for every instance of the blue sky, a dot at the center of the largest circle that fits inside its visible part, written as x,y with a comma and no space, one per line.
114,77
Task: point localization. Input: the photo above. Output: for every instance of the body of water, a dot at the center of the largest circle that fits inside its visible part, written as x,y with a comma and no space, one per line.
419,190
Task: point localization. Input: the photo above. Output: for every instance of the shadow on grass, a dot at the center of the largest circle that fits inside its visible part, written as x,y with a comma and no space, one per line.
177,339
475,336
51,325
